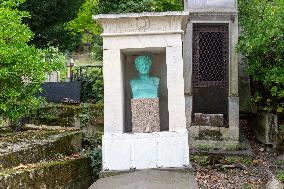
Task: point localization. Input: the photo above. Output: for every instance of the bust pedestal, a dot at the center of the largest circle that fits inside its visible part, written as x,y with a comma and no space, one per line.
145,115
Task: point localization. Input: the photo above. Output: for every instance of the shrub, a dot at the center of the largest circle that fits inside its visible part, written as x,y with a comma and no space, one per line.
92,84
262,43
21,65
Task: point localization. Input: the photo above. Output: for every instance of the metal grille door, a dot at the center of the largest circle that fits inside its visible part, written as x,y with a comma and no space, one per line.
210,68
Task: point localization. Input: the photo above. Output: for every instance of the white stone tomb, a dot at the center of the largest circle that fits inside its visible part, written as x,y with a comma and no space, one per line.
124,36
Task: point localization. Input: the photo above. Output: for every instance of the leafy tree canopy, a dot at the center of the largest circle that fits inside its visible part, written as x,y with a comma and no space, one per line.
47,22
262,44
22,66
84,24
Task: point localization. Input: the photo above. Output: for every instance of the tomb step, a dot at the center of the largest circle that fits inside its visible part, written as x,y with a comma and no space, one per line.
73,172
34,146
144,179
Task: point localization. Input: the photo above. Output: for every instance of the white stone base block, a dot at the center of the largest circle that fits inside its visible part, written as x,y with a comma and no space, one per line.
145,150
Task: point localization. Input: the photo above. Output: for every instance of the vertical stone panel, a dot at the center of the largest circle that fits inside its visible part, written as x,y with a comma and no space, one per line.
234,117
234,63
113,92
176,100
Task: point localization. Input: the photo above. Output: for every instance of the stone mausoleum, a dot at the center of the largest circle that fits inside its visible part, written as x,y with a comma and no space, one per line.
171,84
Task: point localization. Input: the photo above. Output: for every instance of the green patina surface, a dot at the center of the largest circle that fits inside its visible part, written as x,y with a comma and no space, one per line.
144,86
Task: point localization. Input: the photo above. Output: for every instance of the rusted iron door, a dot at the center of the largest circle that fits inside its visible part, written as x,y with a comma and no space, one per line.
210,69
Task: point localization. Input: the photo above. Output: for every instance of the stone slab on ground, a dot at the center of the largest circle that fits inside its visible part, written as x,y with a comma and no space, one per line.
148,179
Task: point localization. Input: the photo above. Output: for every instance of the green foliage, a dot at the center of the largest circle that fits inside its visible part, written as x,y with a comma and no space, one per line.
280,176
97,50
55,59
246,161
96,161
231,160
201,160
47,22
281,128
84,25
85,116
92,86
168,5
21,65
262,44
232,147
205,147
126,6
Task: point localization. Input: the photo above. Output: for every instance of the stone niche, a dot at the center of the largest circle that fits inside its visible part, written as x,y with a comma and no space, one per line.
126,36
159,69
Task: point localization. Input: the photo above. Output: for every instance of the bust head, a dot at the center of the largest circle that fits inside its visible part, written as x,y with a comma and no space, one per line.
143,64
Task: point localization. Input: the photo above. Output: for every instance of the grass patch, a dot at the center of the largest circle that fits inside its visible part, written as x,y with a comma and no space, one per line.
201,160
280,176
233,147
206,147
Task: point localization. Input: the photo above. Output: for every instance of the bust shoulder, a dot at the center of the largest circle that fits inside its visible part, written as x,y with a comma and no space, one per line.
156,80
133,81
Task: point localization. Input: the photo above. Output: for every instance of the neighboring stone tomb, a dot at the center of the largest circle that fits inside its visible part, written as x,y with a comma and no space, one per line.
194,58
211,71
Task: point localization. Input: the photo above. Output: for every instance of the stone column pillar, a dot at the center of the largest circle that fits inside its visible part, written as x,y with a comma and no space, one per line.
187,56
175,82
234,63
233,98
113,92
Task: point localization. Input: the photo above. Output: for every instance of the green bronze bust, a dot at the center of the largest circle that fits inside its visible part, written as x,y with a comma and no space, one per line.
144,86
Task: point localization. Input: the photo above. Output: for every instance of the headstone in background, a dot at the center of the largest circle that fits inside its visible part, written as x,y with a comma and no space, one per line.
54,76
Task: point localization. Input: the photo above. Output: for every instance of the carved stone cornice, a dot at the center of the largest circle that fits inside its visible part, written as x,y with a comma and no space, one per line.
142,23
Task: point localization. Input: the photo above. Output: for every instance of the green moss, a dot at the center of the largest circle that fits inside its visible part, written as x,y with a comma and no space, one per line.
75,172
59,145
205,147
280,176
233,147
210,135
246,160
64,115
5,131
201,160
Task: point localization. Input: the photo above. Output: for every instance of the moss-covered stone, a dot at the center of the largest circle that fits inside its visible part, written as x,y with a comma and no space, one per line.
65,115
74,173
34,146
210,135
